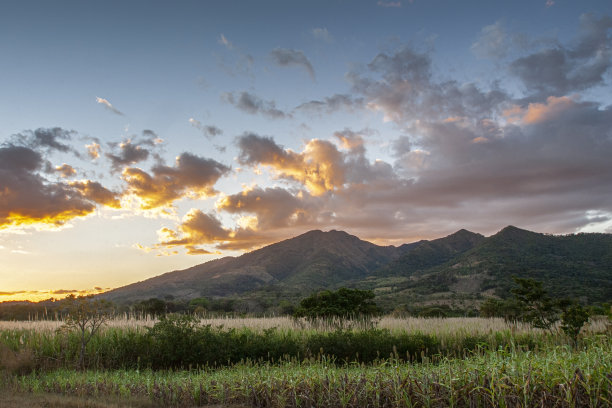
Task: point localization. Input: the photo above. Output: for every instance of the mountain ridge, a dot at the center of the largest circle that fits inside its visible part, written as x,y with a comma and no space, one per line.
458,270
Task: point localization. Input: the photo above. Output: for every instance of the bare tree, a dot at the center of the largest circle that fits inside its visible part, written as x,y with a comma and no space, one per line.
86,315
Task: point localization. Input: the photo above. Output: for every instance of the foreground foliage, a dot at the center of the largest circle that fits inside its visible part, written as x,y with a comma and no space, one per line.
558,376
183,342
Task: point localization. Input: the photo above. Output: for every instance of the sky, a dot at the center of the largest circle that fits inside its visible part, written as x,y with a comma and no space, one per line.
140,137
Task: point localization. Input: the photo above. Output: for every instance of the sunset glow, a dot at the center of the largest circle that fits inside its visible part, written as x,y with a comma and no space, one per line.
188,131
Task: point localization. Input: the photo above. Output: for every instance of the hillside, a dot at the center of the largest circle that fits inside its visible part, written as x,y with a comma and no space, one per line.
427,254
457,271
309,262
576,266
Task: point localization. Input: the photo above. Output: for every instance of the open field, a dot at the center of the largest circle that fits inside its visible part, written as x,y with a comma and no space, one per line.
555,377
277,362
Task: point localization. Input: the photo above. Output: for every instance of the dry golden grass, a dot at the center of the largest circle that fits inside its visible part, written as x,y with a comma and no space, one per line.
441,325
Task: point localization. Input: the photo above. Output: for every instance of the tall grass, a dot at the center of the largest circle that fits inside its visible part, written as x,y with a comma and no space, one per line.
473,325
184,343
558,376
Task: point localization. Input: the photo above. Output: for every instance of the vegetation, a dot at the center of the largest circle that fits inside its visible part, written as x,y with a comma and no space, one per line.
506,376
181,360
86,315
343,303
454,271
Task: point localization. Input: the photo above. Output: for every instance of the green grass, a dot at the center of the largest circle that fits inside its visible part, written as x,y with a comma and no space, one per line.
556,376
175,345
186,363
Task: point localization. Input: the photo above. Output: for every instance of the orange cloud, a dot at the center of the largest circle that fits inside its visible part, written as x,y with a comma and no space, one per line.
93,150
27,198
192,177
65,170
539,112
320,167
198,228
94,191
272,207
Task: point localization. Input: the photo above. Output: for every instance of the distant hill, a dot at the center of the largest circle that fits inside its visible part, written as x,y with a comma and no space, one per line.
457,271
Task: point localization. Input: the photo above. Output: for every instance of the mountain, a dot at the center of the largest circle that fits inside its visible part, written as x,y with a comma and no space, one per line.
311,261
575,266
424,255
457,271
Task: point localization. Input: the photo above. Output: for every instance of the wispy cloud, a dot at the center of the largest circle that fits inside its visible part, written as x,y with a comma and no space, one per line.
108,106
389,3
286,57
209,131
322,34
224,41
251,103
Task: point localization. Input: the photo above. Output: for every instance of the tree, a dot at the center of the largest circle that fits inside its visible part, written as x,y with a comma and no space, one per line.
509,309
537,308
154,307
572,320
344,303
86,315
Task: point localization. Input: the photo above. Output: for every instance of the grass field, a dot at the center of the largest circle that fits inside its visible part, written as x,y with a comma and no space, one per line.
458,362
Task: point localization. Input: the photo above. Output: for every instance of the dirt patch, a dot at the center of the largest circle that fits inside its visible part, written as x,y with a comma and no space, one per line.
11,399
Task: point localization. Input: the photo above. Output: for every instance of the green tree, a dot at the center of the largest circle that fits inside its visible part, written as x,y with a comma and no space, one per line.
537,308
509,309
153,306
572,320
344,303
86,315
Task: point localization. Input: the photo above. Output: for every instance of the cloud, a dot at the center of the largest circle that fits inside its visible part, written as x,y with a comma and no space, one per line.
93,150
492,43
252,104
27,198
224,41
108,106
332,104
387,4
129,153
209,131
65,170
320,167
95,192
540,112
560,70
49,139
273,207
400,85
191,177
322,34
286,57
198,228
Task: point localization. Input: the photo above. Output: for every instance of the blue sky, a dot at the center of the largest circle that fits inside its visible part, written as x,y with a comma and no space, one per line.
141,137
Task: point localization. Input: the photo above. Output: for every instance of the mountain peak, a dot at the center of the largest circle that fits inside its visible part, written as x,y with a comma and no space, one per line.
511,230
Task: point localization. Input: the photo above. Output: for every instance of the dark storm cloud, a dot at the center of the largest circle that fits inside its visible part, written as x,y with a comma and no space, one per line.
250,103
286,57
564,69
